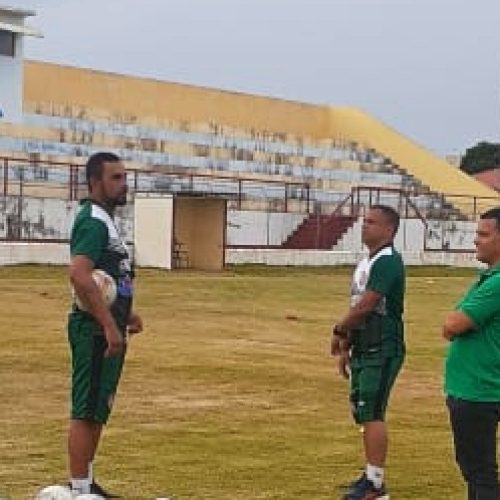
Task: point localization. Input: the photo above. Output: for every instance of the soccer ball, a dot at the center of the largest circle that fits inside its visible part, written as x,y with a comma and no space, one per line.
107,286
63,493
55,492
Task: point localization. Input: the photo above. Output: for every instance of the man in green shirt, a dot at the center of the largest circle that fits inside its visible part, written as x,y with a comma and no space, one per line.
472,372
97,332
369,342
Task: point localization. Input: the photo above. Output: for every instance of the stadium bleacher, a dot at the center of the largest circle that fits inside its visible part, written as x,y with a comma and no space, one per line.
321,165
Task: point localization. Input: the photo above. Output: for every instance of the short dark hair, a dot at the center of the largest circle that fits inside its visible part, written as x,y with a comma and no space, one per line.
492,213
95,165
391,216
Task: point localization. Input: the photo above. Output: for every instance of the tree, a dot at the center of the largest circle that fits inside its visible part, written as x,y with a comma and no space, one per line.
483,156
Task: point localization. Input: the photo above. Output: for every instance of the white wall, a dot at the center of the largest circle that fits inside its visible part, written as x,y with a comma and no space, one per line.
253,228
50,218
34,253
11,84
260,228
450,235
41,217
58,254
153,221
414,236
285,257
409,241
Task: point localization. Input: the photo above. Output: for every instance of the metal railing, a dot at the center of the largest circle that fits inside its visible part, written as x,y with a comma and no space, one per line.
57,179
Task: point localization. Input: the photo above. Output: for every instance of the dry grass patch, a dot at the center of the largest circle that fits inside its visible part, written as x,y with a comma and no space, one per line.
229,393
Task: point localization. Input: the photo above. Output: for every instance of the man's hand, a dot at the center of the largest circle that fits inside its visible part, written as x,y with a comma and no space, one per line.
447,334
457,323
335,345
344,364
115,341
340,340
134,324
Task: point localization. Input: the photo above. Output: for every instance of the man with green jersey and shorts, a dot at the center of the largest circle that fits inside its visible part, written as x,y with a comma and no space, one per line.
472,373
97,332
369,343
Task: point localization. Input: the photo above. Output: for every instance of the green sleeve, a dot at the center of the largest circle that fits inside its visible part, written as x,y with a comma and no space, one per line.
89,237
383,275
482,303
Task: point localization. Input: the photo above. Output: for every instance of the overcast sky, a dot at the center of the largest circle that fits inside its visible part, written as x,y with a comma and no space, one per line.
428,68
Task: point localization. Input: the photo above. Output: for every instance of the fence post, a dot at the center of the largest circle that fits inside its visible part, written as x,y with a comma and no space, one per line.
71,183
20,203
77,182
5,176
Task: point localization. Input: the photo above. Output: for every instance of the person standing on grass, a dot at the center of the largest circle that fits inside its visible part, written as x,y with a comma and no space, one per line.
369,344
472,370
98,337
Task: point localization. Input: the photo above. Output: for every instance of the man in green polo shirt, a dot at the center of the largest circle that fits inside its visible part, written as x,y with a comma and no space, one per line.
97,333
472,372
370,346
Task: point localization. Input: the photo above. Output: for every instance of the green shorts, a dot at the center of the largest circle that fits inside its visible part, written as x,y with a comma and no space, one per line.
94,377
371,383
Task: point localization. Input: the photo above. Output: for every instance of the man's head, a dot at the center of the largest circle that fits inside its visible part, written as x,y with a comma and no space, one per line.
380,226
487,239
106,179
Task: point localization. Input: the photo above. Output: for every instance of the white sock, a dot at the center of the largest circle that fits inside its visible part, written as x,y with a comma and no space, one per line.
90,475
80,486
375,475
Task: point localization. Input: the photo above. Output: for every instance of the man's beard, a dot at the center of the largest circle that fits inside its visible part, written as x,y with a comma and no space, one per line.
119,201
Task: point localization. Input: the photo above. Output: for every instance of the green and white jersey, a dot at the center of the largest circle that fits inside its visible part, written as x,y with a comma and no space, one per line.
473,363
94,235
382,330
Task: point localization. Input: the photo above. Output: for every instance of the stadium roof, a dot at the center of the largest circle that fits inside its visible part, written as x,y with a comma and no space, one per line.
16,12
12,20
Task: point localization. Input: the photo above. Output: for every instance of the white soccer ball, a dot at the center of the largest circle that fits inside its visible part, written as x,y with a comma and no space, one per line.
106,285
54,492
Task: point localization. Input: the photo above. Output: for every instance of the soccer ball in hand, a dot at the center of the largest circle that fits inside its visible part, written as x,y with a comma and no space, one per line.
106,285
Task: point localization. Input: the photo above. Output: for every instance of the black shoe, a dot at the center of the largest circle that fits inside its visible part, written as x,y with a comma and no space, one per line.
364,489
355,484
99,490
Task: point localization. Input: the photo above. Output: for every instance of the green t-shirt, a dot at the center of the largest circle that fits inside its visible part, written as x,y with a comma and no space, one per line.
382,331
472,370
94,235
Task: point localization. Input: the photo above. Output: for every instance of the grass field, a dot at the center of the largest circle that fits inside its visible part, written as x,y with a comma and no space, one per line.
229,393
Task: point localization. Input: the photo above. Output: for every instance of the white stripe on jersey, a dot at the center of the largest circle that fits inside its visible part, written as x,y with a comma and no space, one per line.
362,274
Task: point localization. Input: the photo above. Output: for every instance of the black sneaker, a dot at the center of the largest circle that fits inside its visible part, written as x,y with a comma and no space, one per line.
96,489
364,489
352,486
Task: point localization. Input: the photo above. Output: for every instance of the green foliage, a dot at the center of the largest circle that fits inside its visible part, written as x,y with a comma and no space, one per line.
483,156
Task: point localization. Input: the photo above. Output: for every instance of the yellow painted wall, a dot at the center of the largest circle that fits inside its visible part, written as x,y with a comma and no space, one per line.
132,99
349,124
145,99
